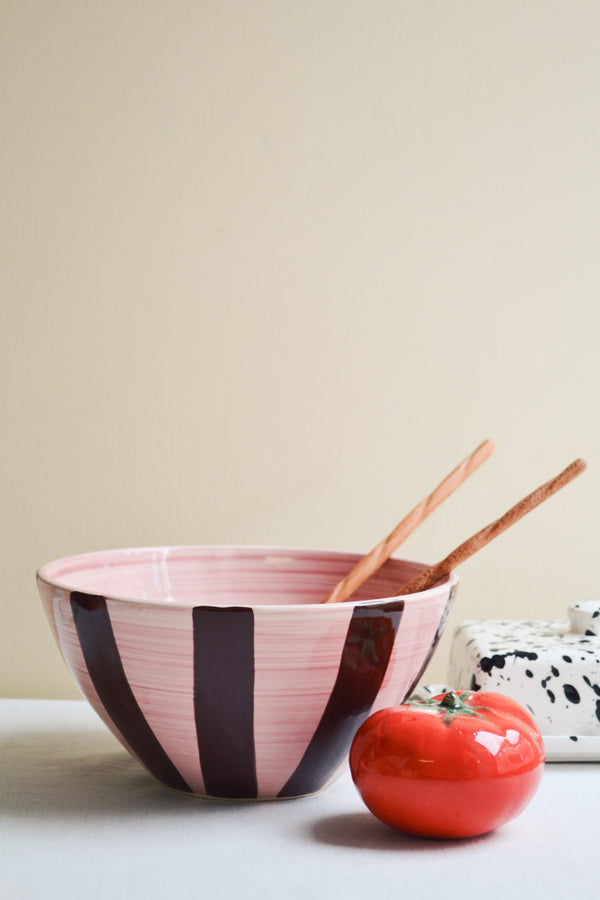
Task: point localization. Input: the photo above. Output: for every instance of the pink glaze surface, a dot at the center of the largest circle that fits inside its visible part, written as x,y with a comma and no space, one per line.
221,671
294,680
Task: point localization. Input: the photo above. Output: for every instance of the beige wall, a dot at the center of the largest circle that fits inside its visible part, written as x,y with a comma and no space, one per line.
270,269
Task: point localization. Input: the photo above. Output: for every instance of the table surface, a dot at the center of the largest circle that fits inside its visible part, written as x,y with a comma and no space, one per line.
80,818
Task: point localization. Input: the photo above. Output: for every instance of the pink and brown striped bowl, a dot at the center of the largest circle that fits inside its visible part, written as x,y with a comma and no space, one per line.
219,669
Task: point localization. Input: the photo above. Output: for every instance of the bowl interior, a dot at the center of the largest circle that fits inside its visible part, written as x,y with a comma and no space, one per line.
220,576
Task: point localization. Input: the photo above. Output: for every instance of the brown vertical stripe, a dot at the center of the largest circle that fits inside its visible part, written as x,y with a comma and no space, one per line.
365,657
224,699
434,643
104,665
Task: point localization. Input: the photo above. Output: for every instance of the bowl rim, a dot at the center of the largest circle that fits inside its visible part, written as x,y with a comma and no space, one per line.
446,584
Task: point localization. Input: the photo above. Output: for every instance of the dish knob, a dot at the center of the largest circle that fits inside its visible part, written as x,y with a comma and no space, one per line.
585,617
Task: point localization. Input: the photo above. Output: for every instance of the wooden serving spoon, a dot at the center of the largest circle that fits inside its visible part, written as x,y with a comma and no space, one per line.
435,573
382,552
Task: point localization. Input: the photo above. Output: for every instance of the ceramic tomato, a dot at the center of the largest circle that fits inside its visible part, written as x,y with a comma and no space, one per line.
455,766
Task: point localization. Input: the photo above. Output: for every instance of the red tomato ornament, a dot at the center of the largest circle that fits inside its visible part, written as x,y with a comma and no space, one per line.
455,766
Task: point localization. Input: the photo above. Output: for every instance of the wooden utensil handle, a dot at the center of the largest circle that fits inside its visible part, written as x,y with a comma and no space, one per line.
432,575
382,552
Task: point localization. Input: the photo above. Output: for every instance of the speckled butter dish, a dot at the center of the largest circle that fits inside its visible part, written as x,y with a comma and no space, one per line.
552,668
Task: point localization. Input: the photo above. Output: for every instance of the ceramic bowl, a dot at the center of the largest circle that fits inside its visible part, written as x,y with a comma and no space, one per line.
219,669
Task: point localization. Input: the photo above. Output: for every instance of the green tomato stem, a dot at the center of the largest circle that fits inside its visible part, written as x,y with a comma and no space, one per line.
452,704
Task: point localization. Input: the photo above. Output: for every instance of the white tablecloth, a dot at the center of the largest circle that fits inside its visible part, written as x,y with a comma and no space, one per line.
80,819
